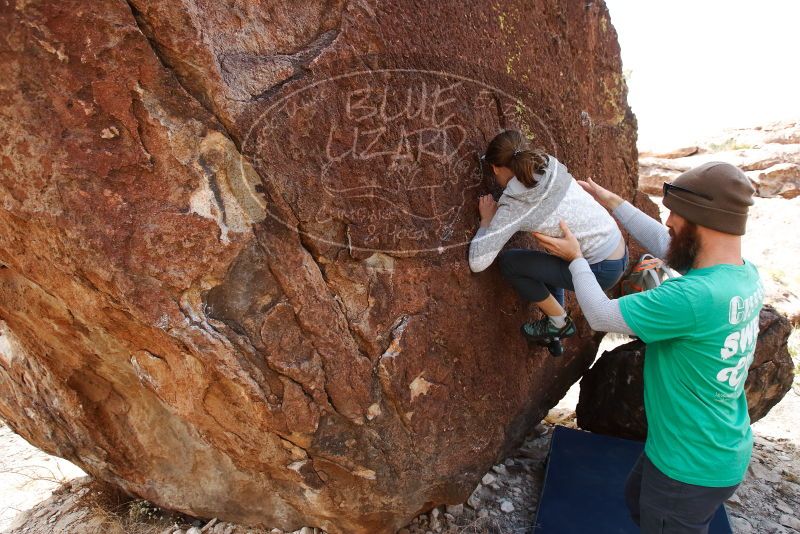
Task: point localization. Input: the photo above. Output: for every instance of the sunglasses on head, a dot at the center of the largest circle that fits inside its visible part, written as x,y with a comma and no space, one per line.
668,187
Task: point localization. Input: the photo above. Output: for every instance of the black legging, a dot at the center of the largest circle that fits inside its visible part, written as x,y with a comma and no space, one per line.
536,275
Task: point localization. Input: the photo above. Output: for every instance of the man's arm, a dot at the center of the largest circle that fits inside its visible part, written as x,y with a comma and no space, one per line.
658,314
650,233
602,313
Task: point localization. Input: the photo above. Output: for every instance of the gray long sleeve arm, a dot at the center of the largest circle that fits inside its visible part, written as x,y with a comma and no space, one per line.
650,233
602,313
489,241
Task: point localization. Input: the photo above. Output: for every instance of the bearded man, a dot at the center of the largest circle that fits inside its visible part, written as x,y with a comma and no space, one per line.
700,330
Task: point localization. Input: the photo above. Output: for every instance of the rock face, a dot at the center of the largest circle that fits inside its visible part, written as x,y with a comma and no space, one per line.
611,396
769,155
233,274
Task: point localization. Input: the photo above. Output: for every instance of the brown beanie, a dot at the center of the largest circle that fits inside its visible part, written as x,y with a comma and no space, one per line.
723,195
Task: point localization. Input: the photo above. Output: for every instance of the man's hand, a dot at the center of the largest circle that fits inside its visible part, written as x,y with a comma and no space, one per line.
487,207
603,196
567,247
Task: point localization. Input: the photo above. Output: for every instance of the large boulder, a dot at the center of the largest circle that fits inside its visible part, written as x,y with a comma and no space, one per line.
611,397
233,274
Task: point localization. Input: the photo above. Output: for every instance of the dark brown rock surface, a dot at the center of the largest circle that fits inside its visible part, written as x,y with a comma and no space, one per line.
612,392
233,274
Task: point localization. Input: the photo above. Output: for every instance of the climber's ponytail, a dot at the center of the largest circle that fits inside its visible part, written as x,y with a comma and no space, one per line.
526,163
511,149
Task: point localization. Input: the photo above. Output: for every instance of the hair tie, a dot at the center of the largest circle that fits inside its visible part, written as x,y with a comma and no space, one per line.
516,151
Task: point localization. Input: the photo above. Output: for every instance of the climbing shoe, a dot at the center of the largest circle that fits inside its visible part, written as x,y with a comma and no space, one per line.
544,329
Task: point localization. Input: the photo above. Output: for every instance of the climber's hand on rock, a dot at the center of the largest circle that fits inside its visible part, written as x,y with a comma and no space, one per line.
567,247
602,195
487,207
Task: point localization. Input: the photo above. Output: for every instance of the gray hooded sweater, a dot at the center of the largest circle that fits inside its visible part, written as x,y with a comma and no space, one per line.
556,196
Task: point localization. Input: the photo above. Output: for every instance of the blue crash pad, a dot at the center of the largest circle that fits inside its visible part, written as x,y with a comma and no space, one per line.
585,482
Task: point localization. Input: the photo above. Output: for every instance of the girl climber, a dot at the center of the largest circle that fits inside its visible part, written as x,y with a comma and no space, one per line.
538,194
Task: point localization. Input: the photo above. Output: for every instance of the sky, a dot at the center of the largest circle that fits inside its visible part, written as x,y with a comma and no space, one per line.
696,67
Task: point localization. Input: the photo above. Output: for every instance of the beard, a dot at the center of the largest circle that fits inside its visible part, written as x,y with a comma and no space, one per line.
683,248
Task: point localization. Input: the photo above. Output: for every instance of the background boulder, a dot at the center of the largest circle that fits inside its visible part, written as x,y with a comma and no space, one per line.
769,155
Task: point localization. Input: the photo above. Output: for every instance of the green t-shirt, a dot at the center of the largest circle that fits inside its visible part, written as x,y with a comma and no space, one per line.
701,331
